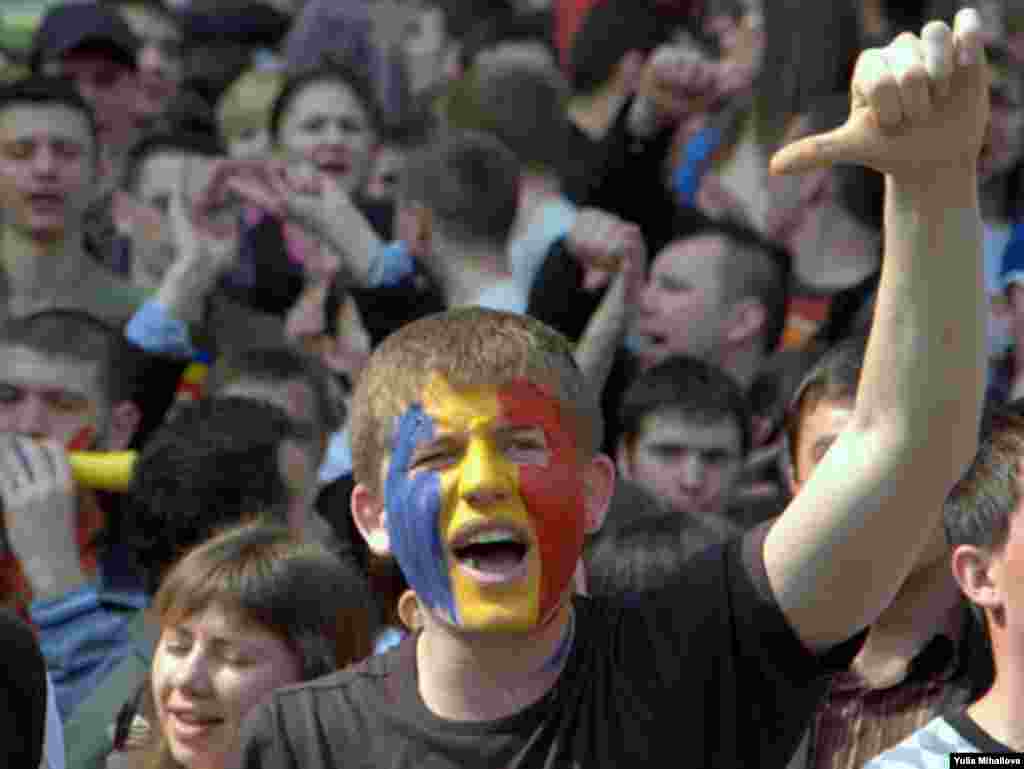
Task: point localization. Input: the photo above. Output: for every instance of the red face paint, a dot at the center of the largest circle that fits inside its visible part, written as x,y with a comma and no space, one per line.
83,439
553,493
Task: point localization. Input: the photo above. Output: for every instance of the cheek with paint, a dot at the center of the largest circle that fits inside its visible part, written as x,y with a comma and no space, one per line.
413,505
82,440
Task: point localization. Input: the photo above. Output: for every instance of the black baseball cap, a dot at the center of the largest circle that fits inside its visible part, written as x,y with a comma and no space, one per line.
75,24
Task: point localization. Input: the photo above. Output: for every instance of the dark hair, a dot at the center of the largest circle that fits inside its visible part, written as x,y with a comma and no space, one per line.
520,103
460,16
515,27
215,464
834,377
155,143
980,508
610,30
778,379
470,183
45,91
187,112
414,128
753,266
793,77
278,365
647,554
76,335
693,388
342,72
851,312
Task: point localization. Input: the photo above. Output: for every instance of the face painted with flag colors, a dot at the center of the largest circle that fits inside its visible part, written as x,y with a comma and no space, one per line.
485,504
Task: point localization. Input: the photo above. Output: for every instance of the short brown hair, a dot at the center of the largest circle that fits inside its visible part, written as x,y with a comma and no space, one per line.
980,508
316,604
469,346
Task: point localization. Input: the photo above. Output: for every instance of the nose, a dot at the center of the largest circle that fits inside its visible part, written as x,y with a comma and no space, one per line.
332,135
192,674
692,471
486,477
44,160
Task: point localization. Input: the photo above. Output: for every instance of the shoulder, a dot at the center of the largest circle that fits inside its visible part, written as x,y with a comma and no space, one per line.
927,748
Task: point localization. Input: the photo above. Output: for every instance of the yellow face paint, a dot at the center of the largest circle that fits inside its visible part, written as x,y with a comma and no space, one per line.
482,488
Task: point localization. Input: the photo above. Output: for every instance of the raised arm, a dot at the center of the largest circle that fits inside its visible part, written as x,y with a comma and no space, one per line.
841,550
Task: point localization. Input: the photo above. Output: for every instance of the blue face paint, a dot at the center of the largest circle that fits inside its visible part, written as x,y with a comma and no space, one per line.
414,512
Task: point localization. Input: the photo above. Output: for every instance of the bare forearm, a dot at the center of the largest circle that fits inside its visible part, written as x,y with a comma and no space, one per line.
924,371
184,289
604,334
348,233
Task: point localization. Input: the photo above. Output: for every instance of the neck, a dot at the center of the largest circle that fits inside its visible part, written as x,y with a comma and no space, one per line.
1001,711
465,272
594,113
487,677
39,269
922,606
842,255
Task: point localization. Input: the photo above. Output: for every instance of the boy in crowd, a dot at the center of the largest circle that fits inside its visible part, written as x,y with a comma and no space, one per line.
983,523
925,654
96,49
49,158
475,452
61,384
686,434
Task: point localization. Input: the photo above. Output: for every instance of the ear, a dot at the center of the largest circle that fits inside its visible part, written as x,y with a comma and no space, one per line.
409,611
746,320
598,487
125,418
977,573
371,519
424,232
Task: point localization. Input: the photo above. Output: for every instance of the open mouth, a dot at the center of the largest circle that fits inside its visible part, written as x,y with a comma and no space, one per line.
492,555
192,725
334,168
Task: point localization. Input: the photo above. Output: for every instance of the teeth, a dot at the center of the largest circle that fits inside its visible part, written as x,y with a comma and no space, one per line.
492,538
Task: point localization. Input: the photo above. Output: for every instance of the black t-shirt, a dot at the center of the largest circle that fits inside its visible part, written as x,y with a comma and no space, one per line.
706,674
22,695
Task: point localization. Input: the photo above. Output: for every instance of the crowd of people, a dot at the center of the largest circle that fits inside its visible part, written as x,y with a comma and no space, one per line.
504,383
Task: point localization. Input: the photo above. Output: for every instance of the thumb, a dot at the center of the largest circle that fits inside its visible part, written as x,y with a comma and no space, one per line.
849,143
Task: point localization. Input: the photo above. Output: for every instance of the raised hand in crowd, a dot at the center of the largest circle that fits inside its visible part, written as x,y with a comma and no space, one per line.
40,507
310,199
614,254
676,82
918,114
